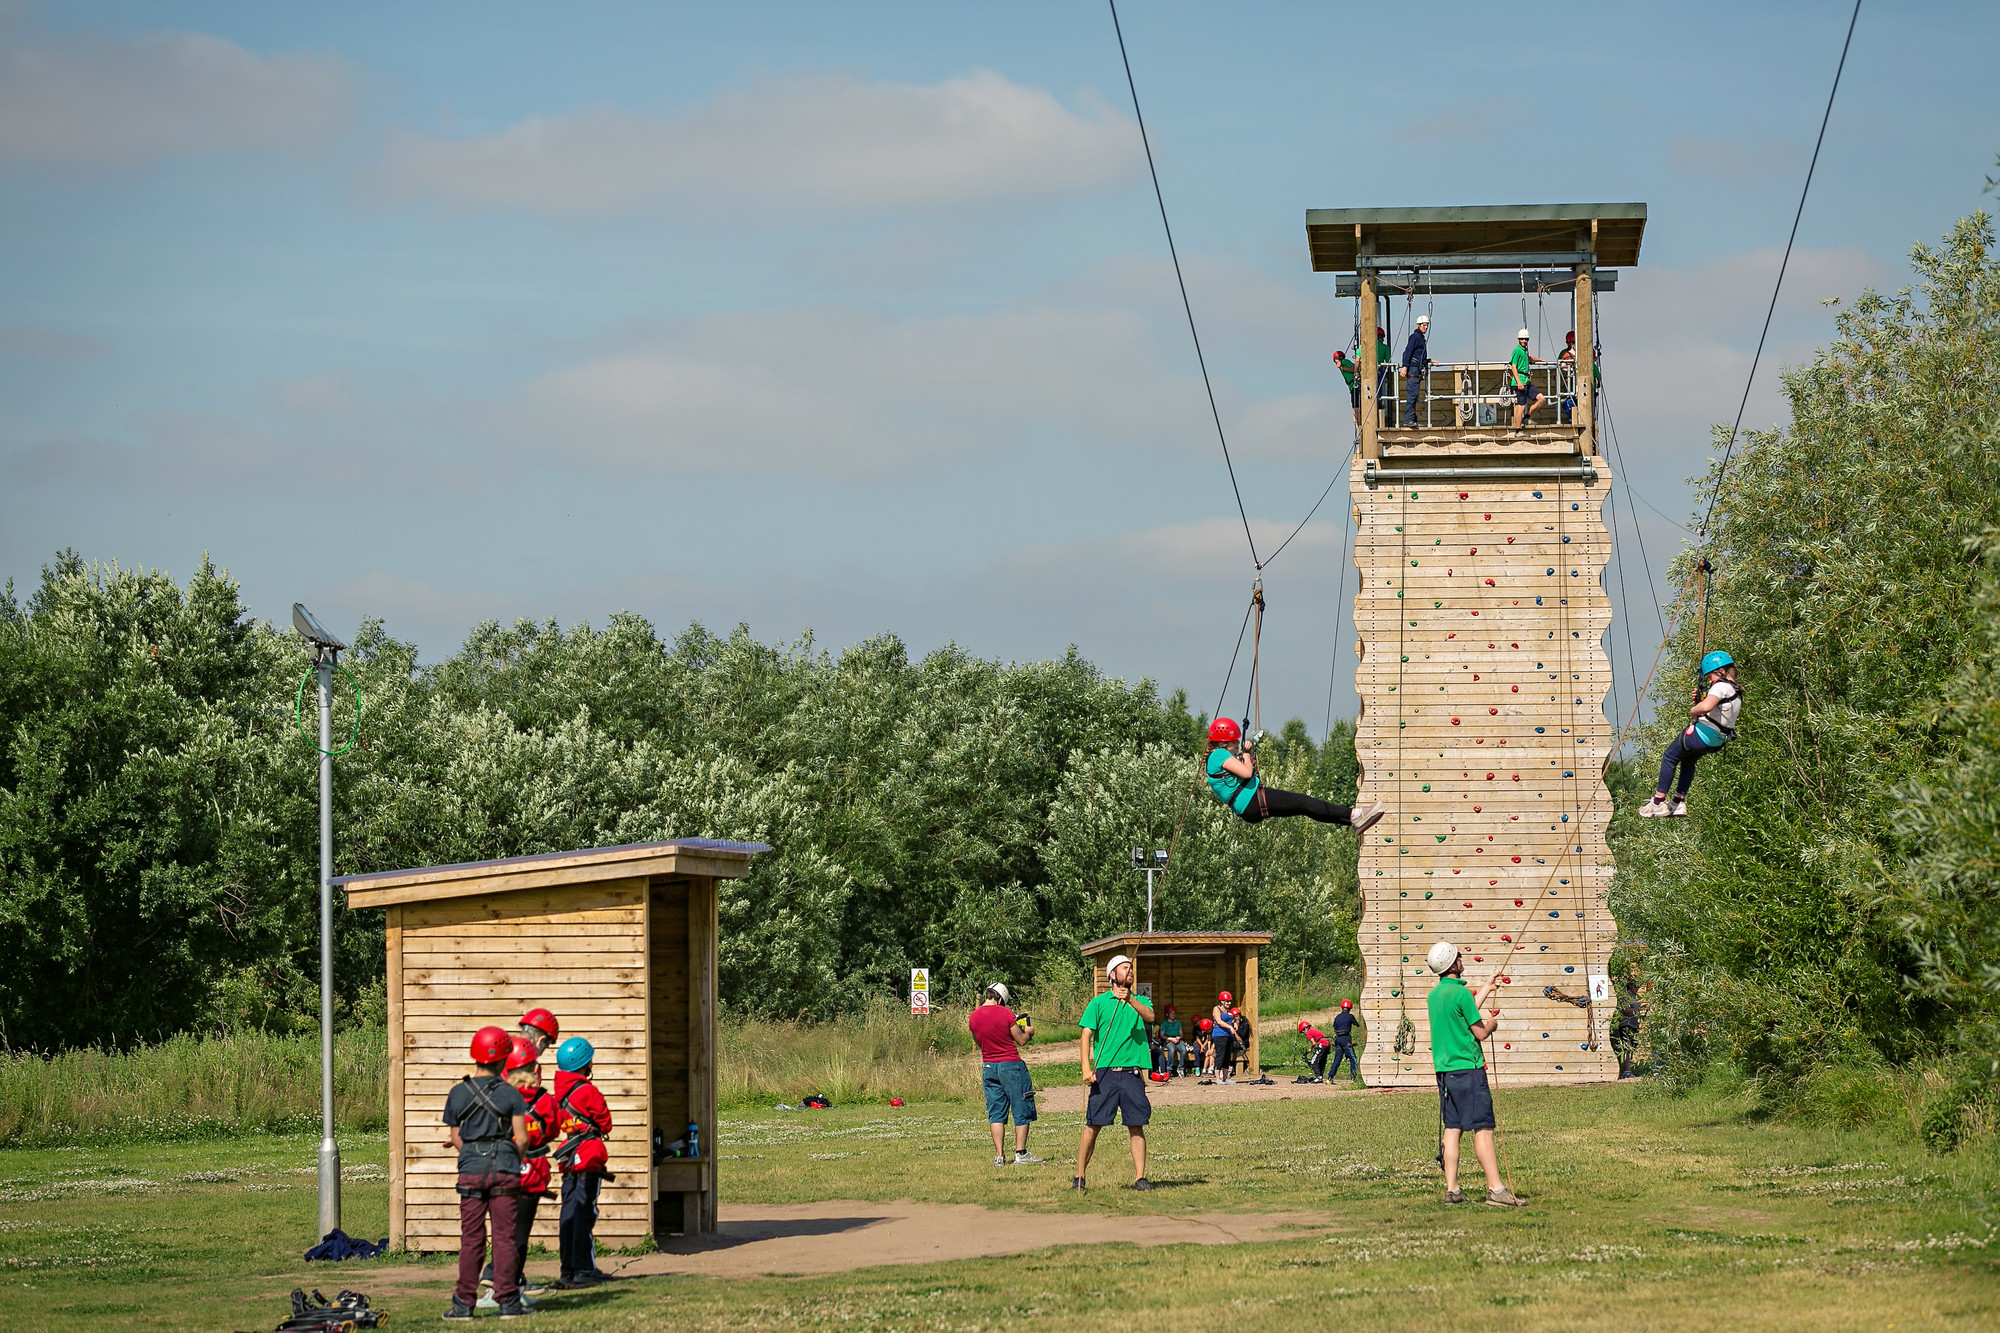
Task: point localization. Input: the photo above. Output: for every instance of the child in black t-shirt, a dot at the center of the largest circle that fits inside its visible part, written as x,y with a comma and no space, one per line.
489,1128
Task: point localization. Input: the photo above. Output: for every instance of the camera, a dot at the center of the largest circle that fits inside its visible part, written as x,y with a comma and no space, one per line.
1024,1021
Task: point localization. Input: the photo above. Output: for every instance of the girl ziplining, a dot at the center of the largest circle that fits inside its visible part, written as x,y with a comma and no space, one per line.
1715,712
1232,777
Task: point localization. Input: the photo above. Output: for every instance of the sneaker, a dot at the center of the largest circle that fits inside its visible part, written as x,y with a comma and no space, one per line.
1454,1196
1026,1159
1366,817
571,1283
459,1310
532,1289
1680,807
1140,1184
486,1301
1655,808
1000,1161
516,1309
1076,1183
1502,1198
599,1275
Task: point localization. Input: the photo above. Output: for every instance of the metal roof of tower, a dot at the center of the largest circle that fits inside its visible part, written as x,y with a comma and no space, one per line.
1535,232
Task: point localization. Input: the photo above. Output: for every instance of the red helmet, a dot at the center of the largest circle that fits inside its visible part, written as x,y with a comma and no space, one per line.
1170,1009
542,1021
1347,1004
1207,1023
525,1053
491,1046
1224,998
1224,731
1303,1025
1234,1012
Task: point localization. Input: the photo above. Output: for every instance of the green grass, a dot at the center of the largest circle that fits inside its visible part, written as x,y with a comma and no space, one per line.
1647,1213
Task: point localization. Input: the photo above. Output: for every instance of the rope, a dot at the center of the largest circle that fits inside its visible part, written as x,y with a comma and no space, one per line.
1339,605
1716,493
1186,305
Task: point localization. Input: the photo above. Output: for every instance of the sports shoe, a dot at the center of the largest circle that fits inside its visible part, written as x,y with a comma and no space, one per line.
1655,808
1076,1183
1502,1198
1454,1196
1000,1161
1680,806
1140,1184
1366,817
531,1288
1026,1159
486,1301
516,1309
459,1310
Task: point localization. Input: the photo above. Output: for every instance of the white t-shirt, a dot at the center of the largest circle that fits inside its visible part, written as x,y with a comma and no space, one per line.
1724,714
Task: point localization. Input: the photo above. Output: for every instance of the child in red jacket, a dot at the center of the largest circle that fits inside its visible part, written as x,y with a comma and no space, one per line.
582,1121
524,1072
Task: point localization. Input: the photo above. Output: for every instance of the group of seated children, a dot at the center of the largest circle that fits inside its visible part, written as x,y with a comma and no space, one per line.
508,1129
1210,1049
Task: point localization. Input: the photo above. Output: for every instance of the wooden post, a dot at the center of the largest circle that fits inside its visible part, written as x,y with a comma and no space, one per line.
1371,411
701,1037
1250,1006
397,1168
1586,348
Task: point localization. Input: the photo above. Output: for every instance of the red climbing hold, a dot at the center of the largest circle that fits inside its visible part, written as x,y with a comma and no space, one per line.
1489,583
1494,712
1475,809
1508,938
1517,902
1489,518
1517,861
1510,541
1489,777
1514,689
1454,722
1465,495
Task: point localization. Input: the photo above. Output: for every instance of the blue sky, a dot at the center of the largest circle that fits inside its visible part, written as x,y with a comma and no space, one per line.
857,318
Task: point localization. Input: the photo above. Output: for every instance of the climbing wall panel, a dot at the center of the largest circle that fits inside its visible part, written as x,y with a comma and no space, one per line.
1482,730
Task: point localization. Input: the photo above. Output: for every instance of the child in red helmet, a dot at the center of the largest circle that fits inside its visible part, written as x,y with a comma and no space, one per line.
1225,1036
489,1128
540,1027
1204,1047
1316,1057
1343,1040
1232,777
524,1071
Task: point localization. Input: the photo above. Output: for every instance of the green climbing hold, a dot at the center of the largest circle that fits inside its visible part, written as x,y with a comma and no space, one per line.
1427,786
1440,837
1427,893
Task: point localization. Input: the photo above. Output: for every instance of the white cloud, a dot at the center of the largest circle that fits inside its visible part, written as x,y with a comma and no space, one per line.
827,141
112,101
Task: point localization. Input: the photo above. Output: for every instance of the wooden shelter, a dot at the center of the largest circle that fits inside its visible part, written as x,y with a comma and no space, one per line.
1187,969
1480,619
620,944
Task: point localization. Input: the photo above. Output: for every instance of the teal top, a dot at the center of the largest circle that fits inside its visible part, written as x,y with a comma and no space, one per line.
1229,789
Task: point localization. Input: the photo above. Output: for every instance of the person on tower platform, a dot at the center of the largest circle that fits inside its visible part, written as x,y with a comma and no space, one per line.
1232,778
1416,361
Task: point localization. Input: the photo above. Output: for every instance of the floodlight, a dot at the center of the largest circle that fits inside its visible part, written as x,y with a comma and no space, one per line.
311,631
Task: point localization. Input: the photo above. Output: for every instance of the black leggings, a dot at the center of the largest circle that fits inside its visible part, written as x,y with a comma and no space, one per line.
1683,752
1270,803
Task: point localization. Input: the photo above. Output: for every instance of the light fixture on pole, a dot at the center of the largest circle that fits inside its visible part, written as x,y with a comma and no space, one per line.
326,652
1155,864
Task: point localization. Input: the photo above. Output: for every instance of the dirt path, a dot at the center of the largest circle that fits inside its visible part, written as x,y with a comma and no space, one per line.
1188,1092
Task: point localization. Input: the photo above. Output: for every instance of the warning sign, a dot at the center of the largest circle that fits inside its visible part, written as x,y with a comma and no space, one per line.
920,990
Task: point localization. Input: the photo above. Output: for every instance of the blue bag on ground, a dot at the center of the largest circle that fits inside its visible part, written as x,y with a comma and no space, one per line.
337,1245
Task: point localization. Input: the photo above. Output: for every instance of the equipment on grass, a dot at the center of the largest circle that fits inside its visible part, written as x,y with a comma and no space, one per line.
542,1021
1442,955
348,1310
575,1054
491,1046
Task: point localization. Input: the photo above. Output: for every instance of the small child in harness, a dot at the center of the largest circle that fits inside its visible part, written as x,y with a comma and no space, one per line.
1719,704
1232,777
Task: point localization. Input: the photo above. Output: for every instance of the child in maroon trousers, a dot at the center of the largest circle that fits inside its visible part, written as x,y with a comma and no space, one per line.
489,1128
524,1071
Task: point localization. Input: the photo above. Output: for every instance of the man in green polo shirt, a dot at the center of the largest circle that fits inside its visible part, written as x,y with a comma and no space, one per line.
1116,1059
1464,1100
1526,396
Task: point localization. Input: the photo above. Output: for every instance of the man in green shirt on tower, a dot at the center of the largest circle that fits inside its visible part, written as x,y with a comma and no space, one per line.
1464,1100
1116,1059
1526,396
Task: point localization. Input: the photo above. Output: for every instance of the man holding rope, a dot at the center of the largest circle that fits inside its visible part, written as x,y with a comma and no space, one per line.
1464,1099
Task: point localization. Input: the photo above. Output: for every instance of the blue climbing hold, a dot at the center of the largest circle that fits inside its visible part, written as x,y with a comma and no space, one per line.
1567,969
1538,495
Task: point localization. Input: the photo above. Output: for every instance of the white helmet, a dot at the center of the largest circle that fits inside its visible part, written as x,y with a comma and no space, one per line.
1423,319
1442,955
1112,966
998,990
1524,334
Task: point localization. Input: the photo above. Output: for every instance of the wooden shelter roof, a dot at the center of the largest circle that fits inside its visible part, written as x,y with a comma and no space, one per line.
1482,229
1154,939
683,856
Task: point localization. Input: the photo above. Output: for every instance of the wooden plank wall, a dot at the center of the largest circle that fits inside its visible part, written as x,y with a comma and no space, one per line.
1482,684
462,963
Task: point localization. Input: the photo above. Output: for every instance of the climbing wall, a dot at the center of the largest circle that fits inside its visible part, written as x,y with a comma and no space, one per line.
1482,730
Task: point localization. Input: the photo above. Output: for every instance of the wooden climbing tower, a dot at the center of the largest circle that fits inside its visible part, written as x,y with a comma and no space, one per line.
1480,620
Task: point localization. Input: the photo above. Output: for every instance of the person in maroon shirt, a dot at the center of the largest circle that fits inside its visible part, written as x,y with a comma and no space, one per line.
1003,1072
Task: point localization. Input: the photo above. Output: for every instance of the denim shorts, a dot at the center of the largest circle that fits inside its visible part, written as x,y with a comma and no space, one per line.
1526,396
1464,1099
1008,1088
1120,1093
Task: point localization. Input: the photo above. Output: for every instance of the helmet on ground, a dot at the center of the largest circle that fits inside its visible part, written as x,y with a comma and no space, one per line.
1347,1004
1224,731
1224,998
998,990
1524,334
490,1046
525,1053
574,1054
1715,661
1206,1024
1303,1025
542,1021
1442,955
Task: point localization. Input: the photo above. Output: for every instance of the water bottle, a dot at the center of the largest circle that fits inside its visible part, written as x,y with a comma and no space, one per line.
694,1139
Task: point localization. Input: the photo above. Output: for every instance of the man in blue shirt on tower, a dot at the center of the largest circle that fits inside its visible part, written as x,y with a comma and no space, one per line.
1416,360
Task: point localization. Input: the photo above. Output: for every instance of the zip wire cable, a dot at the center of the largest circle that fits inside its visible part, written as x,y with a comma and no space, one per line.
1186,305
1776,287
1310,512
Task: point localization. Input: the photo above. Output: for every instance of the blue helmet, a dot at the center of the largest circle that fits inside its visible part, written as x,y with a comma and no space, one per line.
574,1054
1715,661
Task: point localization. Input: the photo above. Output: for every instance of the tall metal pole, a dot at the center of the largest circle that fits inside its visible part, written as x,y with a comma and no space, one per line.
329,1151
1149,900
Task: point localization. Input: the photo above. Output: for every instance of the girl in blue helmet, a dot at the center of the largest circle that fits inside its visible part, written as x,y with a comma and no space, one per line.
1719,701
